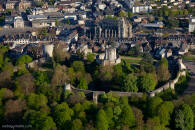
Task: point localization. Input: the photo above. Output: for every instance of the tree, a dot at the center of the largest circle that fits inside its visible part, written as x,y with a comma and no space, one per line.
43,32
130,14
109,115
77,125
68,21
41,78
163,71
101,121
39,120
23,60
78,66
165,111
153,105
105,73
90,57
118,74
134,51
37,102
2,18
154,124
60,76
166,34
127,116
130,83
24,85
147,58
160,18
5,79
123,14
62,115
60,54
139,118
83,84
184,118
185,12
76,98
151,18
3,50
13,109
147,82
6,93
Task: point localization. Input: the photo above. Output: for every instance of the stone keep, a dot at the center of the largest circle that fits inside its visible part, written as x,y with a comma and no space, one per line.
111,54
48,50
110,57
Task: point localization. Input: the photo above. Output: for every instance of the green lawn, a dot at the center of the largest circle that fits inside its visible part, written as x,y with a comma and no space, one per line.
131,60
189,58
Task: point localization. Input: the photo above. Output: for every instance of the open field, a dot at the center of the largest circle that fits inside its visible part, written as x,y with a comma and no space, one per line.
131,60
189,58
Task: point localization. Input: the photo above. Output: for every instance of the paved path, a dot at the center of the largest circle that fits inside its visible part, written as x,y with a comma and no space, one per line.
191,85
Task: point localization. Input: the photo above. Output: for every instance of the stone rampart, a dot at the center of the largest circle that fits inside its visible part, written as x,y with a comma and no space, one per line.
170,84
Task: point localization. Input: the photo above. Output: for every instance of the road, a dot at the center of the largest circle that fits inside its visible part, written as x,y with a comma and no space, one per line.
191,85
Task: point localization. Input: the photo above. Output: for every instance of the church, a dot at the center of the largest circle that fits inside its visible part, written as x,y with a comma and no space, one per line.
109,28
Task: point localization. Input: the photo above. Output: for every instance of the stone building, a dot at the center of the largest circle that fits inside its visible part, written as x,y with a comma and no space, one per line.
23,5
18,22
110,57
109,28
192,24
11,4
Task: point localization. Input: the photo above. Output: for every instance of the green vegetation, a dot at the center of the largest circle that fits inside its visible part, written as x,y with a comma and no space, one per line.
189,57
168,16
122,14
111,17
131,60
38,98
91,57
147,82
43,32
163,71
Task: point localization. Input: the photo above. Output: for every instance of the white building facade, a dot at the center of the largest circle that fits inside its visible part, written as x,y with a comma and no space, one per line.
192,24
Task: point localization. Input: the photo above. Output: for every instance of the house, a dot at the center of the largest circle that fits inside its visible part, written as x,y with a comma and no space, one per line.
34,50
9,19
1,8
36,17
183,49
23,5
141,9
51,9
72,37
37,11
129,3
70,16
43,23
153,25
11,4
85,49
